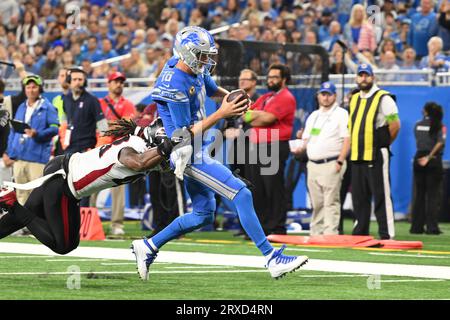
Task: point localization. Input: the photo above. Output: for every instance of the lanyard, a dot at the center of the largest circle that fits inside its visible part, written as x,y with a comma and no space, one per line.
316,131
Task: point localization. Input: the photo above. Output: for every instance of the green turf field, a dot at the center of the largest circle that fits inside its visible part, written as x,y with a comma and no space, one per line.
24,276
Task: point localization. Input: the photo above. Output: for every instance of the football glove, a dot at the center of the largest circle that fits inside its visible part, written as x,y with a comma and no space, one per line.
4,118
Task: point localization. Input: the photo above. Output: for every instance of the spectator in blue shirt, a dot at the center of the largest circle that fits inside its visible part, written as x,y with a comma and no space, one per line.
107,50
334,35
444,24
123,43
409,63
435,59
31,147
325,20
423,27
266,8
90,52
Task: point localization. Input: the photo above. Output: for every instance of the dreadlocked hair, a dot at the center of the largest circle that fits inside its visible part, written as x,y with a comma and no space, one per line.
121,128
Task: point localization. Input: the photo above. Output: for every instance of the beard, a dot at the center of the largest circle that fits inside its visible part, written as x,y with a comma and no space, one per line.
118,91
274,87
364,86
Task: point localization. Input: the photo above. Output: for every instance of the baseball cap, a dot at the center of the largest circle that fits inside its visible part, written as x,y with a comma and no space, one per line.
57,43
327,12
328,87
116,75
32,78
167,36
365,68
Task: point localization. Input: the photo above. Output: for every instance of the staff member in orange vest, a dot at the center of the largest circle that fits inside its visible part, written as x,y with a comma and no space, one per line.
115,107
374,124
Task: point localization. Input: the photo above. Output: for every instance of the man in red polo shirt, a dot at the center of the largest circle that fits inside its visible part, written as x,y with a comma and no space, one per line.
114,107
272,119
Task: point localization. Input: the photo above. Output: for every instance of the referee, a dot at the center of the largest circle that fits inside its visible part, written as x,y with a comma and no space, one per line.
374,124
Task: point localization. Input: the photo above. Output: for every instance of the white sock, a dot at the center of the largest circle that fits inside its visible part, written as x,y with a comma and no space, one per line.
150,242
269,255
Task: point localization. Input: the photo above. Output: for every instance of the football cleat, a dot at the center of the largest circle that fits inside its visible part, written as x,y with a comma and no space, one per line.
280,264
145,255
7,198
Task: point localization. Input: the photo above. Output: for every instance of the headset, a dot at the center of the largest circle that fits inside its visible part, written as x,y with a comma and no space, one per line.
36,79
69,78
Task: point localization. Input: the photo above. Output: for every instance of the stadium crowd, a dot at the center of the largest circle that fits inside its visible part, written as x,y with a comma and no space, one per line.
399,34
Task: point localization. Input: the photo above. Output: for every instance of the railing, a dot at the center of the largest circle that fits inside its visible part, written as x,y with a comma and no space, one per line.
424,78
443,79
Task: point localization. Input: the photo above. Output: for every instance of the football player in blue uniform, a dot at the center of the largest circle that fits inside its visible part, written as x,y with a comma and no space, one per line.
180,92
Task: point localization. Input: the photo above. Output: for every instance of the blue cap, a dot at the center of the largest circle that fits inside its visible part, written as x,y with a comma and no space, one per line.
365,68
57,43
328,87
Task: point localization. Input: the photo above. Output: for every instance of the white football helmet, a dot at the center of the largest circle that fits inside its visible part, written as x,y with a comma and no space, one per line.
195,46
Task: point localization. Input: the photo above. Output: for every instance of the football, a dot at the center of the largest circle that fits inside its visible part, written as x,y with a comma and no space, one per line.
236,93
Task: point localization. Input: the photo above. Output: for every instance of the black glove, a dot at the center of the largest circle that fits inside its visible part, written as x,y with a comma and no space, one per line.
4,118
165,147
155,132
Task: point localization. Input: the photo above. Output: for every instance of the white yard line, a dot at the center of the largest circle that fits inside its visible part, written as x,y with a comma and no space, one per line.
414,280
127,263
24,257
74,260
128,272
198,267
309,250
197,258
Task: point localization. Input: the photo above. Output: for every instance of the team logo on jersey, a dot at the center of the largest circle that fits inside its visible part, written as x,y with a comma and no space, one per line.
191,90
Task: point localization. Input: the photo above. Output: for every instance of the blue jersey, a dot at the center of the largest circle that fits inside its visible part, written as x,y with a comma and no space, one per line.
181,96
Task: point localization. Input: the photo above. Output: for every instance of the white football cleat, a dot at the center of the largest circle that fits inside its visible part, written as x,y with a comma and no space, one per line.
145,255
279,264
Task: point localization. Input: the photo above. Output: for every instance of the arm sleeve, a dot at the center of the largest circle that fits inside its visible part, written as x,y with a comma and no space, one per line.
388,106
210,85
10,147
51,128
180,114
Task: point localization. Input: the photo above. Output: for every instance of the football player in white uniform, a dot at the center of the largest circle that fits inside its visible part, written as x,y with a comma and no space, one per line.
52,212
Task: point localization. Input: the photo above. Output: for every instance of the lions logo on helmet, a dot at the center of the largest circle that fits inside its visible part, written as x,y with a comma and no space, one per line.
195,46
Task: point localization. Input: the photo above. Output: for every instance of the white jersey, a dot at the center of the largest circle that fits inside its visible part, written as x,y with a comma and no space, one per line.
100,168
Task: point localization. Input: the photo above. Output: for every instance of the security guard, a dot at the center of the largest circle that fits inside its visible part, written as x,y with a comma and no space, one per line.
430,136
374,124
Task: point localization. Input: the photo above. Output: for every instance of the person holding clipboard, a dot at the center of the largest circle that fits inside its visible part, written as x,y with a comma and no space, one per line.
32,129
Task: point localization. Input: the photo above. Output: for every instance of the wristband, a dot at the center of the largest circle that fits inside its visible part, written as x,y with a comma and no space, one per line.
248,116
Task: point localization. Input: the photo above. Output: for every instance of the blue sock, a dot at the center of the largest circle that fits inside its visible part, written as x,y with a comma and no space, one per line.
181,225
250,222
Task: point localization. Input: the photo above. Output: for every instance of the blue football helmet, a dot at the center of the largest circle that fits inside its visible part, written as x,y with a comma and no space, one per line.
195,46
